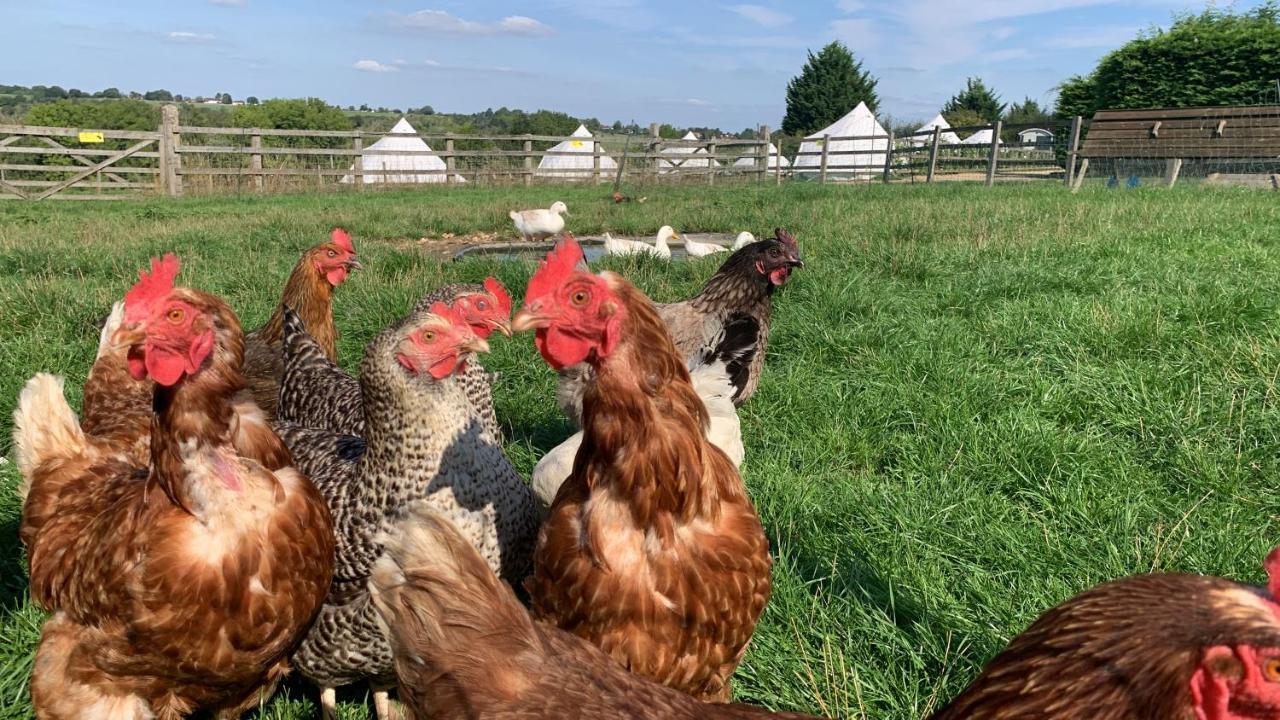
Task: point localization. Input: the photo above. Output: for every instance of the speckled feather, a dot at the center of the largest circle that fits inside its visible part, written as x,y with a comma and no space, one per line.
315,392
423,441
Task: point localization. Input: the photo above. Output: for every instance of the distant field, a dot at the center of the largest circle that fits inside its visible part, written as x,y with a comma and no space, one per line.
977,401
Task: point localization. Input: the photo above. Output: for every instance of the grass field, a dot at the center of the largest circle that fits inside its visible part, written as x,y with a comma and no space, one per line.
977,402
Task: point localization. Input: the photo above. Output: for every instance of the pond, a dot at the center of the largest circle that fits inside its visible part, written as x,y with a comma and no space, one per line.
592,248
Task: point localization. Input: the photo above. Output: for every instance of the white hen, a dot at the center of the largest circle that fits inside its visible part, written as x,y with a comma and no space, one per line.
701,249
744,239
710,381
537,225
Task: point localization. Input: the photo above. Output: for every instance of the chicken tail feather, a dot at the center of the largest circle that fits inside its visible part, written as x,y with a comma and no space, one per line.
441,602
44,427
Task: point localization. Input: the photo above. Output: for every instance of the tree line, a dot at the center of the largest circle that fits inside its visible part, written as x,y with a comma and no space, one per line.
1215,57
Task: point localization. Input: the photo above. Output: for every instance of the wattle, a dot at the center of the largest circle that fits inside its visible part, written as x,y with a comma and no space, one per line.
780,275
337,275
560,349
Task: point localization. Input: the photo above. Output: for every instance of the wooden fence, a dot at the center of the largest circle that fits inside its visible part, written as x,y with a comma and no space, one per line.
75,163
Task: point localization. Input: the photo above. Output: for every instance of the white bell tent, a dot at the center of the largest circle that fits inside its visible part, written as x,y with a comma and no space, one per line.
869,151
945,136
422,168
773,159
681,159
580,163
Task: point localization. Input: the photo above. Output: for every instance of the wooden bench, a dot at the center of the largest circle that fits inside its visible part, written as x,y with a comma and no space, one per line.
1177,134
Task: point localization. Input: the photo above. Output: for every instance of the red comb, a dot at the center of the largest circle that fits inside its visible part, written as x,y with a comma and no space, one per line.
342,239
1272,565
786,238
504,300
560,264
448,313
150,287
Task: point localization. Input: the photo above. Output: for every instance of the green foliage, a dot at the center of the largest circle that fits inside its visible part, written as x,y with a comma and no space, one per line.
977,98
105,114
1027,112
964,118
299,114
982,402
829,85
158,95
251,100
1216,57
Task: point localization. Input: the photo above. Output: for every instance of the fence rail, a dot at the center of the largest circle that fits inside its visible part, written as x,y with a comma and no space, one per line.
38,162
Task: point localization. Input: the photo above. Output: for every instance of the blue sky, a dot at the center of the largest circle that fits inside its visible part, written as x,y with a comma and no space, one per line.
720,64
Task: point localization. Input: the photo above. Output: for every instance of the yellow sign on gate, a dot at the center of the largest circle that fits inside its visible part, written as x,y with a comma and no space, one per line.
90,137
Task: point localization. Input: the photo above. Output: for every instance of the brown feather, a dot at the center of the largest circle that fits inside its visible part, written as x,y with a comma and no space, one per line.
311,297
1124,650
465,647
171,589
652,549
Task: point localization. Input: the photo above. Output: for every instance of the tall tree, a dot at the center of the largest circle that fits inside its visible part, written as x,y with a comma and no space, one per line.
977,97
1027,112
1217,57
829,85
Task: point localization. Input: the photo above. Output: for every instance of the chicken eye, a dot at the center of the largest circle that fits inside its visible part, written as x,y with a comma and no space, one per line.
428,336
580,297
175,315
333,253
1271,669
482,304
773,252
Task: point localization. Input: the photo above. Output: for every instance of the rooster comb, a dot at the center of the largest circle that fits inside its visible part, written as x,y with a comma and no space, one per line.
151,287
498,291
447,312
342,239
560,264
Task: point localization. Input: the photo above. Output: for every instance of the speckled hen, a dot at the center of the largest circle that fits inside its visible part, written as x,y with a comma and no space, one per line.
422,440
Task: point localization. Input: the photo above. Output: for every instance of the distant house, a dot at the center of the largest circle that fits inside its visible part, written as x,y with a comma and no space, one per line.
1038,137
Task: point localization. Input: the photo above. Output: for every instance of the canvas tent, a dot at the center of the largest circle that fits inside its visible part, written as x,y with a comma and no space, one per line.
578,165
773,159
409,168
945,136
982,137
869,158
680,157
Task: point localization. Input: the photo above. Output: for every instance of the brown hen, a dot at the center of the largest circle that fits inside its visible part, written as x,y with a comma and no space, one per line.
181,584
464,646
309,292
1147,647
652,549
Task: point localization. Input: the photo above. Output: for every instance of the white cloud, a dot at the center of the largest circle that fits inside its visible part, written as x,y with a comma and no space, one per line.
851,6
697,102
374,66
442,22
761,15
229,3
191,37
431,63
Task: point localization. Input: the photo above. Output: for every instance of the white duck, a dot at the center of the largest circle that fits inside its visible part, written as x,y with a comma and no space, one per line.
536,225
701,249
744,239
659,249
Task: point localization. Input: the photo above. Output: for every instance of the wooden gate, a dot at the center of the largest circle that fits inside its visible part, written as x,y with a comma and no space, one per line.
38,163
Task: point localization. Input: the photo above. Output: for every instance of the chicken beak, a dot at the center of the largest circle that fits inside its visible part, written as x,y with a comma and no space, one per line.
797,263
528,320
354,264
502,325
127,336
475,345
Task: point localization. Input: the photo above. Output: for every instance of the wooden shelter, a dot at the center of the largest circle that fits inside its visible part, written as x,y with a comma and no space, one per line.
1178,134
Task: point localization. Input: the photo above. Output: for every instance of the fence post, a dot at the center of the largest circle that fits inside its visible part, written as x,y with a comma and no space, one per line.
357,162
763,161
777,167
826,142
995,153
528,163
888,158
933,154
595,162
448,161
1076,123
170,159
650,156
711,163
255,160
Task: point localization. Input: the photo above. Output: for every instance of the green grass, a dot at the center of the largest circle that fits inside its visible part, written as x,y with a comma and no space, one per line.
977,402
